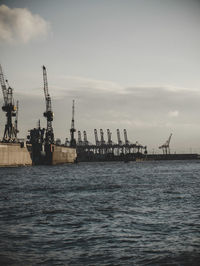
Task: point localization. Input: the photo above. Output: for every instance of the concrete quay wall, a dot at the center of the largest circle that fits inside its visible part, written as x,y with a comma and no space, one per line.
62,154
12,154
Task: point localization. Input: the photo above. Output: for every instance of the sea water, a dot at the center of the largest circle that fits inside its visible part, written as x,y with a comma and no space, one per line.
136,213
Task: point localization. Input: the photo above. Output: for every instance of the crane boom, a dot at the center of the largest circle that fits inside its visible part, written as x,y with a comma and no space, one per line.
46,93
3,86
49,113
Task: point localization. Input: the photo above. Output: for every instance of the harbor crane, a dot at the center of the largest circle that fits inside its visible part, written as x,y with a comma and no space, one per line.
165,147
9,108
49,137
109,134
102,137
72,130
80,142
85,140
16,120
96,137
118,137
126,137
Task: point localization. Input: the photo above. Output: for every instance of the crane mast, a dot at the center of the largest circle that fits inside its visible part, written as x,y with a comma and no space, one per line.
72,130
49,138
9,108
16,120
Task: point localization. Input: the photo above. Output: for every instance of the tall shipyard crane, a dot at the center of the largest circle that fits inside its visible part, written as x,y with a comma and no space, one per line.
9,108
72,130
49,137
165,147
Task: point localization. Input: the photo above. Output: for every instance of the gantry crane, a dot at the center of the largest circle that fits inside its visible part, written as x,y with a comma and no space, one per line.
96,137
165,147
80,142
49,137
109,134
72,129
118,137
85,140
126,137
9,108
102,137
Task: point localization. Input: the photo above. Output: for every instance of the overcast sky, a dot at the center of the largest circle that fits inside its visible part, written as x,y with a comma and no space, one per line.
131,64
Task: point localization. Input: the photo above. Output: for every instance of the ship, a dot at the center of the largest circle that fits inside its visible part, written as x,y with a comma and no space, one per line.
43,148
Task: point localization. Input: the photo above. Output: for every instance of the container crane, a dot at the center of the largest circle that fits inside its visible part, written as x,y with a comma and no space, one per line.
102,137
165,147
80,142
126,137
72,130
9,108
96,137
85,140
109,134
49,137
118,137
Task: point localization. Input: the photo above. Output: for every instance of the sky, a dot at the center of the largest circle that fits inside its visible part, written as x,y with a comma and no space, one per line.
130,64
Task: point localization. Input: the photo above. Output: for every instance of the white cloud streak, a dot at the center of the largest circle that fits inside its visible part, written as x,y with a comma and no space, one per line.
19,25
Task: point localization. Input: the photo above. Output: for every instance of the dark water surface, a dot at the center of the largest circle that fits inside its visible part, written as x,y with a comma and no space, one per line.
138,213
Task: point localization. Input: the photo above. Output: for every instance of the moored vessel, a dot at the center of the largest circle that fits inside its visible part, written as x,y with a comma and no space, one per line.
43,148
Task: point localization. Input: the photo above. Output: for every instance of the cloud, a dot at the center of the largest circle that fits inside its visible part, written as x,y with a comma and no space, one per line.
20,25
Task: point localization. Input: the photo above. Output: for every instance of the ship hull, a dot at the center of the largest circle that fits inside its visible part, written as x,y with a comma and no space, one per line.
52,154
14,154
